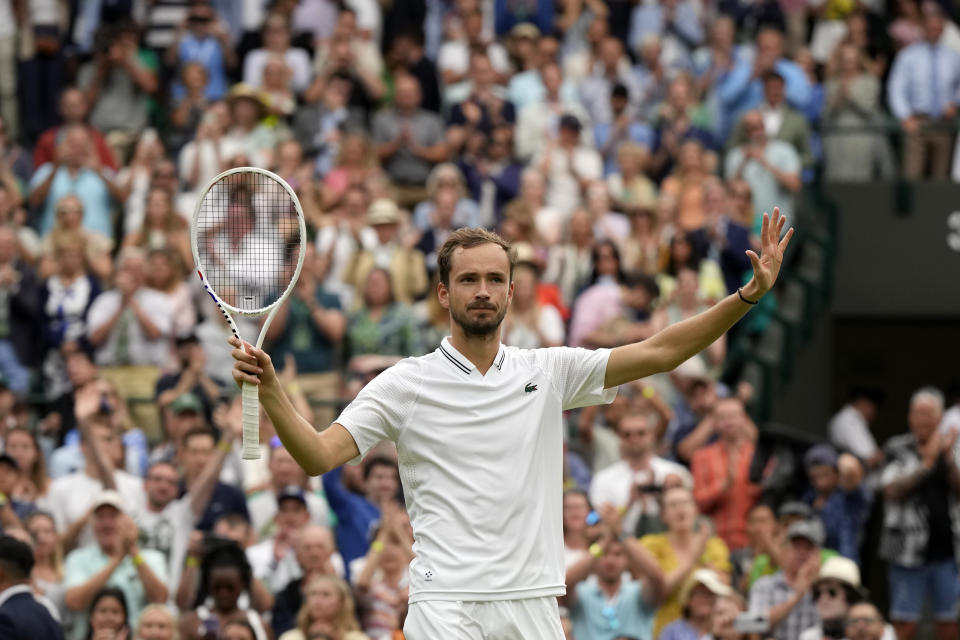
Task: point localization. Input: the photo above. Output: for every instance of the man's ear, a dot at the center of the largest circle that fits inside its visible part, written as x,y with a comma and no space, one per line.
443,295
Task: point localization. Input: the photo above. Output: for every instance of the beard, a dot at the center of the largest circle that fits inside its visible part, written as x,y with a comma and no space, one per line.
478,328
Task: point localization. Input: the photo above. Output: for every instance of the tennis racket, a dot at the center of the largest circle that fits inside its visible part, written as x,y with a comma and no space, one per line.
248,238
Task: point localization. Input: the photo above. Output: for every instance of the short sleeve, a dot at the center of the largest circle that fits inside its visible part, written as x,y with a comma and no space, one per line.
74,571
380,410
578,375
717,556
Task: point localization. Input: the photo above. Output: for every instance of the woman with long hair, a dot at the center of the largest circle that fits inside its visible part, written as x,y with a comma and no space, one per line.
355,163
165,273
69,221
22,445
156,622
162,228
688,544
47,572
329,608
382,325
108,615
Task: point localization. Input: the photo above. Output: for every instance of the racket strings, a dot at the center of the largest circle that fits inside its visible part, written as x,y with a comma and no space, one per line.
248,240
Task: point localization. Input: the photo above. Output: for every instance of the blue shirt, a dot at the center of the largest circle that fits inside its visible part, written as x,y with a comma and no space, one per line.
924,80
208,52
844,515
596,618
637,132
648,19
355,516
679,630
86,185
738,91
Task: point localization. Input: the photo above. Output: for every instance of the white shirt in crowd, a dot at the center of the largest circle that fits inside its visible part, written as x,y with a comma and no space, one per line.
71,497
481,459
168,532
849,431
127,334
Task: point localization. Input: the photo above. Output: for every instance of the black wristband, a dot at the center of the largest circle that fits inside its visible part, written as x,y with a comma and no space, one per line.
740,293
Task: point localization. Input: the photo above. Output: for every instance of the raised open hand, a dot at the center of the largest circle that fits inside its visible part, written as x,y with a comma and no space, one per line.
766,266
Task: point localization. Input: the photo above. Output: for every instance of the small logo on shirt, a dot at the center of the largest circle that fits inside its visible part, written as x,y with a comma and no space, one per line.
428,576
530,388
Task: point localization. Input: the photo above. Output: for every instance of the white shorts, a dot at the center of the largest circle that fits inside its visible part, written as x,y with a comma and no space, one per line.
527,619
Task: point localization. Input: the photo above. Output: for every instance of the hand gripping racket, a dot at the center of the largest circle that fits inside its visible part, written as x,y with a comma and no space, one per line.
248,238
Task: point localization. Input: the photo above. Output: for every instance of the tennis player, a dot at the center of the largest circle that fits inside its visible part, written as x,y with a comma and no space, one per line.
478,432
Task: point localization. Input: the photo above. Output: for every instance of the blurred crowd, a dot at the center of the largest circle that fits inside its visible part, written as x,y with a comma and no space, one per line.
626,148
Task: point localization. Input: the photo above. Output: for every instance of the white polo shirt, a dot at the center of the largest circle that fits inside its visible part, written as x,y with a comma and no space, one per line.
481,460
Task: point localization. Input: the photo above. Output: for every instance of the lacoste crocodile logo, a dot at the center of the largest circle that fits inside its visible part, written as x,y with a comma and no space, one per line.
530,388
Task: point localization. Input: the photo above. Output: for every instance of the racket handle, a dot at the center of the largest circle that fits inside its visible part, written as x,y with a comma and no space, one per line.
251,422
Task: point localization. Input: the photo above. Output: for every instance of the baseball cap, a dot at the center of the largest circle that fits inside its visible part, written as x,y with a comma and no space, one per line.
186,402
109,498
6,458
821,454
708,578
292,492
794,508
809,529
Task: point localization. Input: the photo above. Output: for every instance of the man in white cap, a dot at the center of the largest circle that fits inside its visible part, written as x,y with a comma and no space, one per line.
114,560
837,589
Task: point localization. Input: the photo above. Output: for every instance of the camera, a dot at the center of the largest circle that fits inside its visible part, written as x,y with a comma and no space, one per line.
751,623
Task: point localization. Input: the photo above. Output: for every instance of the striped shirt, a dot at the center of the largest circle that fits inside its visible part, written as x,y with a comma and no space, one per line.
768,592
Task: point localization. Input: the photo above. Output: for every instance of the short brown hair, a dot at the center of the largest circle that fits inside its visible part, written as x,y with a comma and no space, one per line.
469,237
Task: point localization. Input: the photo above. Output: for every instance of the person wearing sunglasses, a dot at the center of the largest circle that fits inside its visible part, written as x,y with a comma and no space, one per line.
835,591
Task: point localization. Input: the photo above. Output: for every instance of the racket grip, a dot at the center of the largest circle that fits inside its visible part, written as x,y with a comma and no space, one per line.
251,422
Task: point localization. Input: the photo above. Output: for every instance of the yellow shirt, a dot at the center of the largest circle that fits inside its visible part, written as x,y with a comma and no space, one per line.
716,556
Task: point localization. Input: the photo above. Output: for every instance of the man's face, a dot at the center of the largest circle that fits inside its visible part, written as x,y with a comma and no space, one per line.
761,524
800,550
729,419
292,514
73,106
753,124
106,438
314,547
382,483
933,24
864,622
636,436
773,91
480,290
106,527
924,417
161,485
183,421
197,452
407,93
284,469
613,563
823,478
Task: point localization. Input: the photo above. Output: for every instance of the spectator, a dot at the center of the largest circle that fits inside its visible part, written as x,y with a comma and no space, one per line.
276,41
75,170
273,559
283,472
770,167
22,445
188,110
864,622
603,602
162,228
492,175
114,559
687,298
406,52
74,109
742,88
576,512
764,541
538,122
688,546
686,183
382,585
774,542
166,274
849,428
651,77
22,617
96,248
723,624
610,68
726,236
359,506
391,252
721,473
157,622
447,176
453,58
630,188
329,608
780,120
409,141
135,179
119,83
699,596
383,324
835,591
205,155
18,303
131,324
838,497
47,573
531,324
907,26
919,539
319,126
923,91
316,554
198,447
677,20
484,109
225,574
201,39
108,614
570,166
570,262
249,134
785,598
